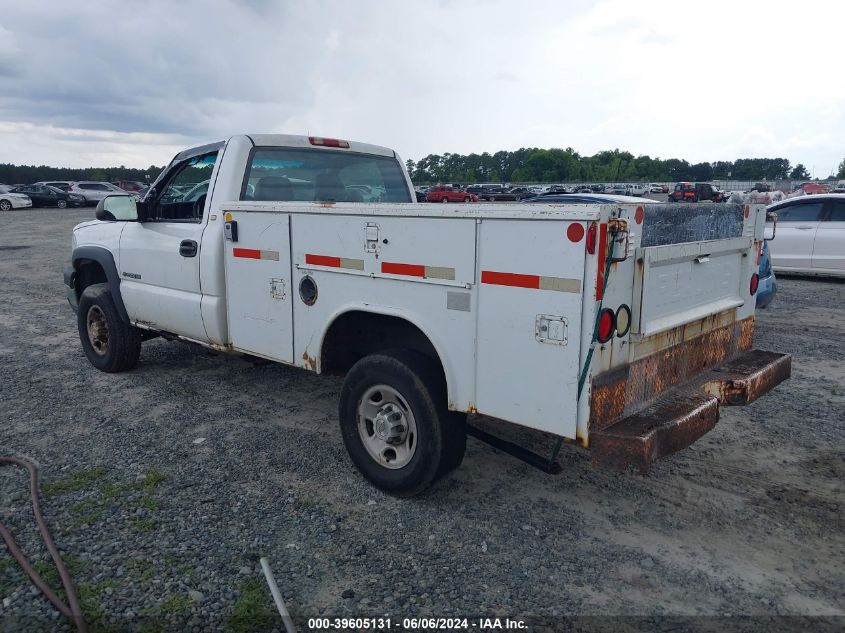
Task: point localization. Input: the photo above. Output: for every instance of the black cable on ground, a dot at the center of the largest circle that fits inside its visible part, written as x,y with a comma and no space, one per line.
71,610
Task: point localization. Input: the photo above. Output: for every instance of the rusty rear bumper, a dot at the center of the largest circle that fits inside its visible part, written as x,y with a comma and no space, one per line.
682,415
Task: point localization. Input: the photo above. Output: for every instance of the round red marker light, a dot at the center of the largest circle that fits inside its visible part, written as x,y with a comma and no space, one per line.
606,325
575,232
639,214
755,282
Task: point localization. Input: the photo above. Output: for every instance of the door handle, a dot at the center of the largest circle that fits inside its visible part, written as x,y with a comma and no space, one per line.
804,228
188,248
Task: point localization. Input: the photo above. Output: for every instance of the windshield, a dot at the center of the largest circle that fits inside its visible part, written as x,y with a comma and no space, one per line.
285,174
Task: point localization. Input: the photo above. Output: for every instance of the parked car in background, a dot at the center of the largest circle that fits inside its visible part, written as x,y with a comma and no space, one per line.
10,199
635,189
617,189
657,188
447,193
64,185
597,188
585,198
767,285
93,192
695,192
45,196
129,185
810,188
420,192
810,235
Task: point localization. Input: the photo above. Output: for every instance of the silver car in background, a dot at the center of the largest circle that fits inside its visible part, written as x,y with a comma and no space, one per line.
93,191
810,235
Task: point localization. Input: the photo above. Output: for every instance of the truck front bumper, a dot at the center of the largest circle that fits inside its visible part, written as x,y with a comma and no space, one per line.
70,281
682,415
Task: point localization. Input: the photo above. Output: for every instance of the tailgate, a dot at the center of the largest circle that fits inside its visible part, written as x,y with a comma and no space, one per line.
676,284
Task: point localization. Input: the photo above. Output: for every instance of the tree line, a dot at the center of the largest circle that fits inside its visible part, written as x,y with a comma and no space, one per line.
27,174
566,165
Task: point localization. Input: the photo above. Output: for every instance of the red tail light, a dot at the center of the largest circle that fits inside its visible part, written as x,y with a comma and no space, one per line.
328,142
592,234
606,325
755,281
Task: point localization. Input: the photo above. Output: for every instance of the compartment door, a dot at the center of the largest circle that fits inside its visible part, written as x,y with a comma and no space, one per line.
258,284
529,322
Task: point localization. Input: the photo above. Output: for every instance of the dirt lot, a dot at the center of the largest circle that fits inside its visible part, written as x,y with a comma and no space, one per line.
165,484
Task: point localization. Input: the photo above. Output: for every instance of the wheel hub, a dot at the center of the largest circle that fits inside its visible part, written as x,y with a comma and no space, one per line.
389,425
98,330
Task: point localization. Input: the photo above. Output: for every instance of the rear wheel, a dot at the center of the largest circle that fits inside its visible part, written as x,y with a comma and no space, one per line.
109,343
466,199
5,205
62,204
444,200
394,422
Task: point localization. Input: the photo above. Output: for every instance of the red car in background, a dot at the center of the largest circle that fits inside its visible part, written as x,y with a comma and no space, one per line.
811,188
445,193
129,185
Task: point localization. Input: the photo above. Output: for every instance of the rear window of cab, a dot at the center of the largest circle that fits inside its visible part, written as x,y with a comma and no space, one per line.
289,174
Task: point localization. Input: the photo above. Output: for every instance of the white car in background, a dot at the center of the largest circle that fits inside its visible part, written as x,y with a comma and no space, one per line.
655,188
636,189
93,192
810,235
9,200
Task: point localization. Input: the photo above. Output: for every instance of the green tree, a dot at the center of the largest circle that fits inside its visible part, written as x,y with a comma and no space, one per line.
799,173
841,172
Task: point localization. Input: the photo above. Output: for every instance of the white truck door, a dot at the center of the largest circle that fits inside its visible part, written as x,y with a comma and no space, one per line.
258,285
529,322
159,261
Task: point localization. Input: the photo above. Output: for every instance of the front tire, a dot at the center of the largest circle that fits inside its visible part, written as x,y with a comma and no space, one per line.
109,343
394,422
5,205
444,200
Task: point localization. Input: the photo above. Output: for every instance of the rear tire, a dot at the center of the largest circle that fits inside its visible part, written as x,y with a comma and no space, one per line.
467,199
5,205
109,343
407,389
444,200
62,204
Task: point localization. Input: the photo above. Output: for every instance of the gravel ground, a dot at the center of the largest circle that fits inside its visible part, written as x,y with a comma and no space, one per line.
164,485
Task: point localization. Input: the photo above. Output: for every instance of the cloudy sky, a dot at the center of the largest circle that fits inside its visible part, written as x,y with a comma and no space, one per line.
108,83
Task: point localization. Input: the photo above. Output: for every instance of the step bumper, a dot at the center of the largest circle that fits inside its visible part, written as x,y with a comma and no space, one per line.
682,415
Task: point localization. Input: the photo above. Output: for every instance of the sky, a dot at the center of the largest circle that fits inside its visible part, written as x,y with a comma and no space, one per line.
104,83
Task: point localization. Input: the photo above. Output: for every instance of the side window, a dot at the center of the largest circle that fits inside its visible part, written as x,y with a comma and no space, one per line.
807,212
837,211
183,196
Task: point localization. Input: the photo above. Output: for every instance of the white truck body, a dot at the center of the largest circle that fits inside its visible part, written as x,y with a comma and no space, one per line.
504,296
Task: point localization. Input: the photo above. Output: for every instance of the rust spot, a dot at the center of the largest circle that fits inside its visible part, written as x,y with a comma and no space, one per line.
310,363
681,415
620,392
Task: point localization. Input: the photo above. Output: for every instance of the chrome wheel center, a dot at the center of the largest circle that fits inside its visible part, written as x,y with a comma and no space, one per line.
386,427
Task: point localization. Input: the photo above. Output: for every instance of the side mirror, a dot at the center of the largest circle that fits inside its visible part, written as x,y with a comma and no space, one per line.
771,217
112,208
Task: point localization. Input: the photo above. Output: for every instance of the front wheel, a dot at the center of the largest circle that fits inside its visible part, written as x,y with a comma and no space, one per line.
444,200
394,422
111,344
5,205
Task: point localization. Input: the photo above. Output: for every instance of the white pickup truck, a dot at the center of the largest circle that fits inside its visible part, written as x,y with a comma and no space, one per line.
623,327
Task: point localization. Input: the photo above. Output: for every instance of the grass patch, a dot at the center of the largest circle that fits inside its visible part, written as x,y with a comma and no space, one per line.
72,483
142,525
174,604
254,610
140,568
307,501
